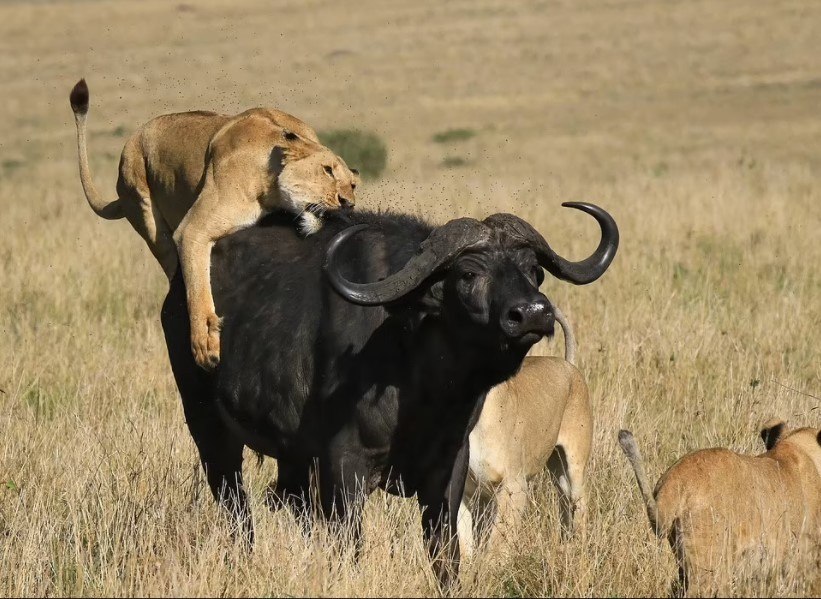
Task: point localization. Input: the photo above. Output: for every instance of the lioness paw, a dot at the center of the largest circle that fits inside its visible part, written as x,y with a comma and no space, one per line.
205,343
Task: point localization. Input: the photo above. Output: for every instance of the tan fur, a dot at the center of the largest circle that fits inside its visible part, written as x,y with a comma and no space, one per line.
188,179
540,416
720,509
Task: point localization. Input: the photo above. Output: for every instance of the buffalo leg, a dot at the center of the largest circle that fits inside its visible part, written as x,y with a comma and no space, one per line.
342,493
440,501
221,457
220,451
293,490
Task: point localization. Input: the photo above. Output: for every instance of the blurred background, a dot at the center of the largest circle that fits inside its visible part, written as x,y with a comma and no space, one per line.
512,91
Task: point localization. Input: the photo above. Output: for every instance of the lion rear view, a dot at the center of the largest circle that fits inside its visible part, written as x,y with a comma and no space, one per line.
720,509
188,179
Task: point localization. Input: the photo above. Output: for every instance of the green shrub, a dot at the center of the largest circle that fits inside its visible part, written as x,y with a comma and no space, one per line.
361,150
450,135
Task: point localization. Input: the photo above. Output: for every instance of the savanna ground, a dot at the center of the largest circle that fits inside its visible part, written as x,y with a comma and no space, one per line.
697,124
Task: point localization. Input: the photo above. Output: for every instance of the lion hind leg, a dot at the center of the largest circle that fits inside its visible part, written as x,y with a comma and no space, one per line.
215,214
568,462
511,503
567,469
140,207
144,216
464,529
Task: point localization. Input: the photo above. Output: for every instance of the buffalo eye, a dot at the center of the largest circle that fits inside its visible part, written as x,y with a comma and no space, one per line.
468,275
329,171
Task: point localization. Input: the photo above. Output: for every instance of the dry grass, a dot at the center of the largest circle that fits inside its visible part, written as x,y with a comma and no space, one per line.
695,123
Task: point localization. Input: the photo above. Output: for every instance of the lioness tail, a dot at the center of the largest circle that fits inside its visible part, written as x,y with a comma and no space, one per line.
569,339
79,105
631,450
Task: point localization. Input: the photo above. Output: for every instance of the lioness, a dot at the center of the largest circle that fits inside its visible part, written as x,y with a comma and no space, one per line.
191,178
716,506
542,416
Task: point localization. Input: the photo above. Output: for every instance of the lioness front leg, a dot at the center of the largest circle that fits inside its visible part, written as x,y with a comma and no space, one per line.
215,214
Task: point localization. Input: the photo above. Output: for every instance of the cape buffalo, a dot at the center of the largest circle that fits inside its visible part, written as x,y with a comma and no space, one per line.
361,355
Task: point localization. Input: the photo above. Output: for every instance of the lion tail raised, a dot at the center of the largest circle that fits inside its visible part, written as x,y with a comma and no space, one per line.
569,338
631,450
79,105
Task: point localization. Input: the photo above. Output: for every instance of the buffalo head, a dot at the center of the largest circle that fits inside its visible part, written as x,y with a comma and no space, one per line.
481,277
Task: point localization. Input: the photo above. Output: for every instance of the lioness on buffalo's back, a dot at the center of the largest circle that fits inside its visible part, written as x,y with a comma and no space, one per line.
188,179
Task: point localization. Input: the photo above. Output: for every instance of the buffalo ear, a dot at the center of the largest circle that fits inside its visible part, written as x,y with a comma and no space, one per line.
426,299
432,298
772,431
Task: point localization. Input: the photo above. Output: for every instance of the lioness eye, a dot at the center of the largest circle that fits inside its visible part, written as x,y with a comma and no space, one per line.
329,171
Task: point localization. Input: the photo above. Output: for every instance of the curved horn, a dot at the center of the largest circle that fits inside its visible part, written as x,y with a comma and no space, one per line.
442,245
578,273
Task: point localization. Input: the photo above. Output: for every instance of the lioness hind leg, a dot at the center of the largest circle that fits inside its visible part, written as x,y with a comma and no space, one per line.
567,468
146,220
215,214
511,502
464,526
568,462
141,211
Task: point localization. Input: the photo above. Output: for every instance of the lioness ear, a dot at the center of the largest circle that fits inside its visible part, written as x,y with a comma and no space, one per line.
296,147
355,171
772,431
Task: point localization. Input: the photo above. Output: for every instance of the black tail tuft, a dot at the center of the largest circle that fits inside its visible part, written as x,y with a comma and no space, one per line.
79,97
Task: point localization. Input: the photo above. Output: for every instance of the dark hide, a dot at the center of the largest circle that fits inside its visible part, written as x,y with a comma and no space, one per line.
372,395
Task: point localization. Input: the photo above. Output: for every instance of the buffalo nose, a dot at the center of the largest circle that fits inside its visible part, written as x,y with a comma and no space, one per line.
528,317
344,202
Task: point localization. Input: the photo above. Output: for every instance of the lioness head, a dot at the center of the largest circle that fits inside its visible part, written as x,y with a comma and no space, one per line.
314,179
805,440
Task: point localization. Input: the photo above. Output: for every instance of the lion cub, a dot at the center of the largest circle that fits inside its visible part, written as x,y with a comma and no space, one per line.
188,179
717,507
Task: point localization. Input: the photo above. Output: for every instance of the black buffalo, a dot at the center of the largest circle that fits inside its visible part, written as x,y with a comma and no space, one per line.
373,383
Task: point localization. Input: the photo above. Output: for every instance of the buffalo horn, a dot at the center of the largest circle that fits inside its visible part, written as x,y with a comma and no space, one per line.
578,273
442,245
